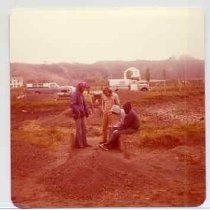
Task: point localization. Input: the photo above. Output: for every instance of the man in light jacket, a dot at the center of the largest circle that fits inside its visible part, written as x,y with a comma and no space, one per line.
108,100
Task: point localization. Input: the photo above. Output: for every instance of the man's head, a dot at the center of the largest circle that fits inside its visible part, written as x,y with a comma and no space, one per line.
115,109
107,91
127,107
82,86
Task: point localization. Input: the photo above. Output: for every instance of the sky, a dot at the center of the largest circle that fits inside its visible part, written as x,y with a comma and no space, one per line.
88,35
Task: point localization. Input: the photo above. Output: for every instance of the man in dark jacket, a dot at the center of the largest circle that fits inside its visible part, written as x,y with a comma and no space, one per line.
130,125
79,112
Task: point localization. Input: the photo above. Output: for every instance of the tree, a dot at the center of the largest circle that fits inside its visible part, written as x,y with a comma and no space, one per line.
129,74
147,75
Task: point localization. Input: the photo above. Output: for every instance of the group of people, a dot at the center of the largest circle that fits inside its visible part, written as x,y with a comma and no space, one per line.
115,121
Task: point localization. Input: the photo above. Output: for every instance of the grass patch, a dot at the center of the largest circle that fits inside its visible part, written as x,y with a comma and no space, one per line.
33,132
94,131
170,137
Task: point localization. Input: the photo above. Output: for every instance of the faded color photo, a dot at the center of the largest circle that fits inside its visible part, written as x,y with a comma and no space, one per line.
107,107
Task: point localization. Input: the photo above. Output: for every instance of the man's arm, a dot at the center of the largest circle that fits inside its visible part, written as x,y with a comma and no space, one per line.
74,102
116,99
85,107
103,103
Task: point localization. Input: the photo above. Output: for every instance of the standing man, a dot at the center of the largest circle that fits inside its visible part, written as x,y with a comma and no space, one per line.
108,100
79,112
130,125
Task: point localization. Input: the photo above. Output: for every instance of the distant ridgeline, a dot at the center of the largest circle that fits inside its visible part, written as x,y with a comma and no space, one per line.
66,73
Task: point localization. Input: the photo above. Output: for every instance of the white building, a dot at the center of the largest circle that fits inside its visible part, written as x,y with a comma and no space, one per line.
16,82
134,73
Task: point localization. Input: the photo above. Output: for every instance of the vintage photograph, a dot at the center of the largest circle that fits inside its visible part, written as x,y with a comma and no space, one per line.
107,107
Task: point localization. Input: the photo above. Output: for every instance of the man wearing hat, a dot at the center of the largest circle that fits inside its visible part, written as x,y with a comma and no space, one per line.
119,113
118,118
79,112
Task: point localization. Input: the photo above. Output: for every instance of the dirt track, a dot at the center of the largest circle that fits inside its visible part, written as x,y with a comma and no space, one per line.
153,176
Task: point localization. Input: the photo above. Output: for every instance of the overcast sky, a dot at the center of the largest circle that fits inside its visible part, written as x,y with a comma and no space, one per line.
90,35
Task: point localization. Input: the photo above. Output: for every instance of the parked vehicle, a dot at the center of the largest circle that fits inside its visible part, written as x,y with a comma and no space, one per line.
119,84
97,97
128,84
65,91
39,88
143,86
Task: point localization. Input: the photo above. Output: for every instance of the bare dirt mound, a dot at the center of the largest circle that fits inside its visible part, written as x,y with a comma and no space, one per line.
28,161
27,158
98,178
92,177
89,176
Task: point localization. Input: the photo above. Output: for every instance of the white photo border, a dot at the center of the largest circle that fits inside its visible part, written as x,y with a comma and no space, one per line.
5,10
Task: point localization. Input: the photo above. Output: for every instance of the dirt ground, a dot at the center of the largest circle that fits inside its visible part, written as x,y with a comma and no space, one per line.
165,167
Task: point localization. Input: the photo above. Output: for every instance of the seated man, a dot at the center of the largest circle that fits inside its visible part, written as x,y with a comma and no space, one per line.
130,125
117,119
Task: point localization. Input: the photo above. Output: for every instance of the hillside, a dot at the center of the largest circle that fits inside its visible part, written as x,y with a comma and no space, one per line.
66,73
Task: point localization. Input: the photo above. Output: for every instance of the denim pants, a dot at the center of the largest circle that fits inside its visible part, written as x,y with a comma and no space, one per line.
108,119
80,132
115,135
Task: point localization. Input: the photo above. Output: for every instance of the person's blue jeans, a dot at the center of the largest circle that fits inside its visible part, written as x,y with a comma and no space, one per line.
81,139
115,134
